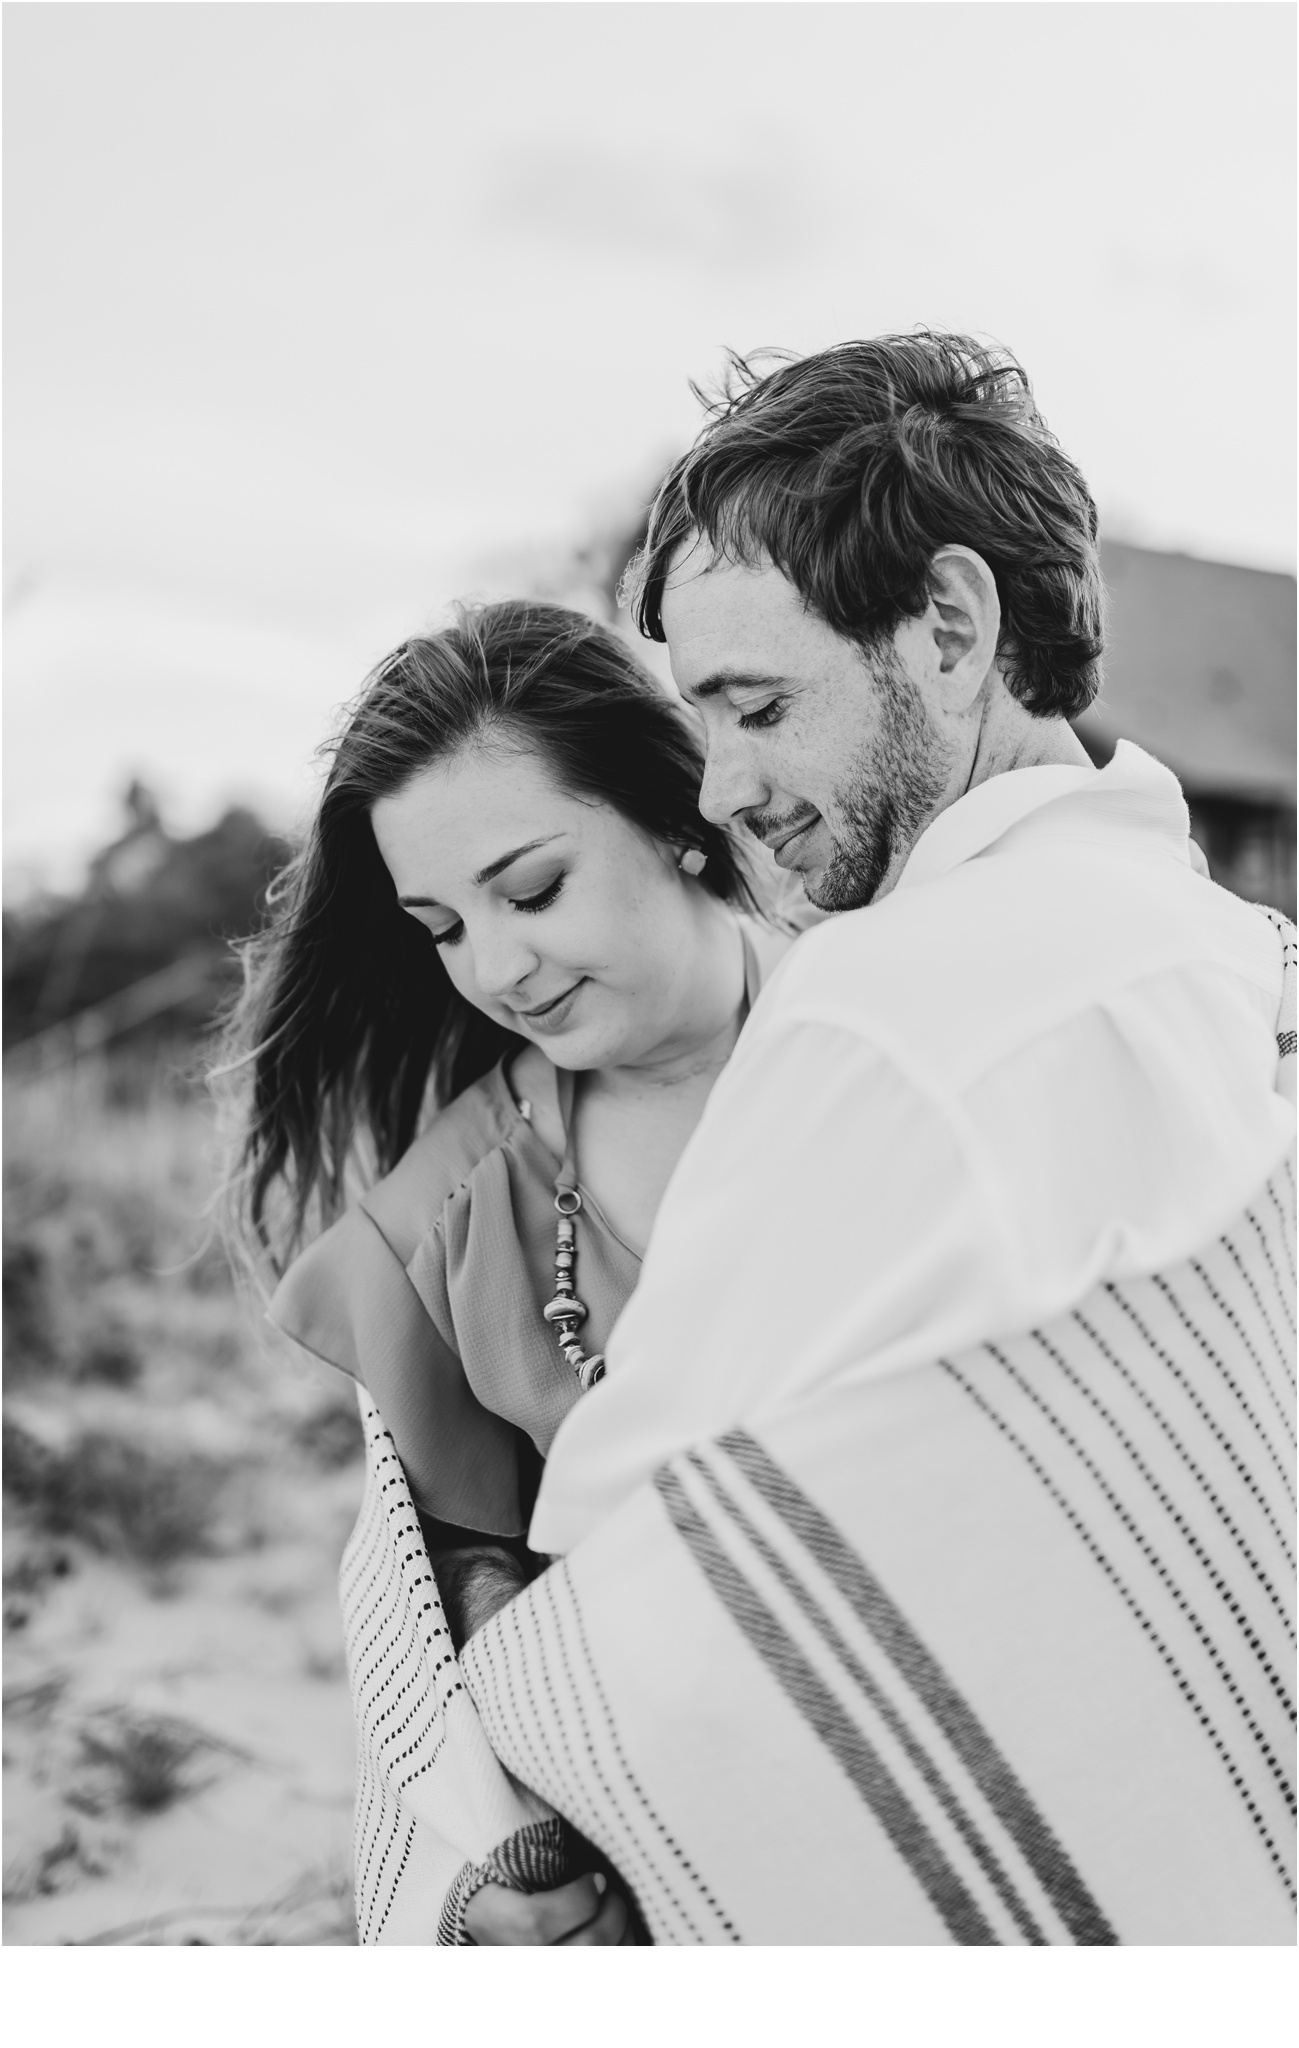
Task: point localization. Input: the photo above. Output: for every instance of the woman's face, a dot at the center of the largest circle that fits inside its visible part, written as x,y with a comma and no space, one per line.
553,914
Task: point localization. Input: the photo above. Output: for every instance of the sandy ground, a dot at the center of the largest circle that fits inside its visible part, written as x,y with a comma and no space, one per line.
178,1747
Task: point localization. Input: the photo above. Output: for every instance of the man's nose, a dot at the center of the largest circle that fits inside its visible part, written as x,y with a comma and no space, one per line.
731,783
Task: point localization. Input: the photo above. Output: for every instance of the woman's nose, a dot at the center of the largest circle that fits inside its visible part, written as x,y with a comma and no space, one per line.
503,958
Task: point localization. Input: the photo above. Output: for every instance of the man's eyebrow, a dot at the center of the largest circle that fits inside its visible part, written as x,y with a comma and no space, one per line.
487,874
729,679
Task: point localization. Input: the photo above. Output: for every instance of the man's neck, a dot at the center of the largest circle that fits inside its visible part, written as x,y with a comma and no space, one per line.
1003,737
1010,737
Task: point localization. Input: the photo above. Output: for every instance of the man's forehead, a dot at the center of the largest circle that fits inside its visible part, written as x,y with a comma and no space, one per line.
727,622
704,587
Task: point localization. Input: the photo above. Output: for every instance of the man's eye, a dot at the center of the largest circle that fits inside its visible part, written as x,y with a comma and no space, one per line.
767,714
544,900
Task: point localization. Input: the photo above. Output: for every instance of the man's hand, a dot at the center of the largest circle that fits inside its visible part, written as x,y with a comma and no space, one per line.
474,1584
588,1913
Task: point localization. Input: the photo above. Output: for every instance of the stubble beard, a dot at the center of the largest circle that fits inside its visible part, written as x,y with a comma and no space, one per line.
893,790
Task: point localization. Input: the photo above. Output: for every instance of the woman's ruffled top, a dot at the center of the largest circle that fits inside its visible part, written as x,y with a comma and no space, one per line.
429,1291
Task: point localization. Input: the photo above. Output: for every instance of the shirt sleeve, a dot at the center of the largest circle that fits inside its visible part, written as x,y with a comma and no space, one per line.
350,1302
828,1216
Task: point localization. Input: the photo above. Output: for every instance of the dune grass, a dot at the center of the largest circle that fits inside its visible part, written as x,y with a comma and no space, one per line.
167,1471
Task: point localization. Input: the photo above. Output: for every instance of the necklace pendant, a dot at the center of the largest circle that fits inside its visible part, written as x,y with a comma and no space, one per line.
566,1313
565,1308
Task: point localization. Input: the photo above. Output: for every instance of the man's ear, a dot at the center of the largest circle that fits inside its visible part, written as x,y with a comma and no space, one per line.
963,622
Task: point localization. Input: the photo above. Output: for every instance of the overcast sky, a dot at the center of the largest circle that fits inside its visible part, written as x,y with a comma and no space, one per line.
318,314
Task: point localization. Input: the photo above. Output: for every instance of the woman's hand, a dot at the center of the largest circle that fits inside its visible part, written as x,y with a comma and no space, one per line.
588,1913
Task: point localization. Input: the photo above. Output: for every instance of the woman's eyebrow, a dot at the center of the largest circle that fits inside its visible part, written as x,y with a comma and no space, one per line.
487,874
497,867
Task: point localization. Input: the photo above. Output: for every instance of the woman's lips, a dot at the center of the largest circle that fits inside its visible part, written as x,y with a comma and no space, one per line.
552,1016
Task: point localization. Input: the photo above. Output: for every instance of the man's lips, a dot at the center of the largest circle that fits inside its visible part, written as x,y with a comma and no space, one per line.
773,838
784,845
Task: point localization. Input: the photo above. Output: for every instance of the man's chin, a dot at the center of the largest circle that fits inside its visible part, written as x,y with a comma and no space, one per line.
833,886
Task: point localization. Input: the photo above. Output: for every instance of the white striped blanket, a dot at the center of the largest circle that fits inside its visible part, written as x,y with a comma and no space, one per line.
996,1652
435,1811
999,1651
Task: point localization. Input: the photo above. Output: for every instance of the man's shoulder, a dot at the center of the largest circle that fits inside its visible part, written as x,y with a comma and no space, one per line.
908,935
996,950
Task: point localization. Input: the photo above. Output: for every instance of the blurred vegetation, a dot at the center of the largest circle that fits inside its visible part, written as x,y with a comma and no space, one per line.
113,1494
164,1465
135,1373
143,949
140,1762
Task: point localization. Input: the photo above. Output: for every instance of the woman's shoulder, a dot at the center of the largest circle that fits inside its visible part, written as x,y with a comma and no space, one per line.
366,1248
407,1203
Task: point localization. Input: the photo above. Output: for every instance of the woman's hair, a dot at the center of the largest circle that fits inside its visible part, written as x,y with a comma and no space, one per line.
348,1021
850,469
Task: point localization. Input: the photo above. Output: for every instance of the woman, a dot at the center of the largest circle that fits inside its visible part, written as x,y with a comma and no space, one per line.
510,912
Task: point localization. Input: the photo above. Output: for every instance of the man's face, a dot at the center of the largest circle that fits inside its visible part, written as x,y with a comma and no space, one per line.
827,754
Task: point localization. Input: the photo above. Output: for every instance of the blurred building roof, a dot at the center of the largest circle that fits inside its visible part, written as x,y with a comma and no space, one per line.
1200,669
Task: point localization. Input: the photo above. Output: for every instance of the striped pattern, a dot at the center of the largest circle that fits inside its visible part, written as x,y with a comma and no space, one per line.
432,1802
538,1686
904,1737
1159,1420
535,1859
1286,1039
1105,1656
1000,1652
401,1668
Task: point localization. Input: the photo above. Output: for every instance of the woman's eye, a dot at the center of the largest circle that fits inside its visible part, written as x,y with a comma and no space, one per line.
767,714
544,900
450,937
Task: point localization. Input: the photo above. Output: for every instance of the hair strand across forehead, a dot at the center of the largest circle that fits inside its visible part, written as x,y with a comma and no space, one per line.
348,1022
850,469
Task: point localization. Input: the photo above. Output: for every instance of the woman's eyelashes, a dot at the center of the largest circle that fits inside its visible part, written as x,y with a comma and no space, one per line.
765,715
543,900
453,933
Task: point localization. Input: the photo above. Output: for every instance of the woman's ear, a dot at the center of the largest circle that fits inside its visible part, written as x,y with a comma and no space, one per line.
963,622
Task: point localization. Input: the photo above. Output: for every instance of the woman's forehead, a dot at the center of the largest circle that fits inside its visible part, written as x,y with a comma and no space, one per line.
457,817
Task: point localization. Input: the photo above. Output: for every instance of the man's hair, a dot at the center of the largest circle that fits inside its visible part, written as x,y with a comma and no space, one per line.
850,469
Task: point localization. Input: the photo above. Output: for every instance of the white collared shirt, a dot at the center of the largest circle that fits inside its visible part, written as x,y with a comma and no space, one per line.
1048,1058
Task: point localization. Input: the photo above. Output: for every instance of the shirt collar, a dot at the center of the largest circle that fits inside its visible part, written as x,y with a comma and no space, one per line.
1133,782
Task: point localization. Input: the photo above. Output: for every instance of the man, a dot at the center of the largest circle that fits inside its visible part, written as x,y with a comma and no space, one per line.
926,1562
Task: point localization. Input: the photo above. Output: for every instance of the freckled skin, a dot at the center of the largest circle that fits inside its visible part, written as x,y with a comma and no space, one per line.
862,750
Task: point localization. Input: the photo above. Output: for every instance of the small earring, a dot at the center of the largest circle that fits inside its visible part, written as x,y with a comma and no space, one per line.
693,861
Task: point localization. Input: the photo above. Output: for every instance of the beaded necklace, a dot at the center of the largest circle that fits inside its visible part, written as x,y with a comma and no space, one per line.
566,1313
